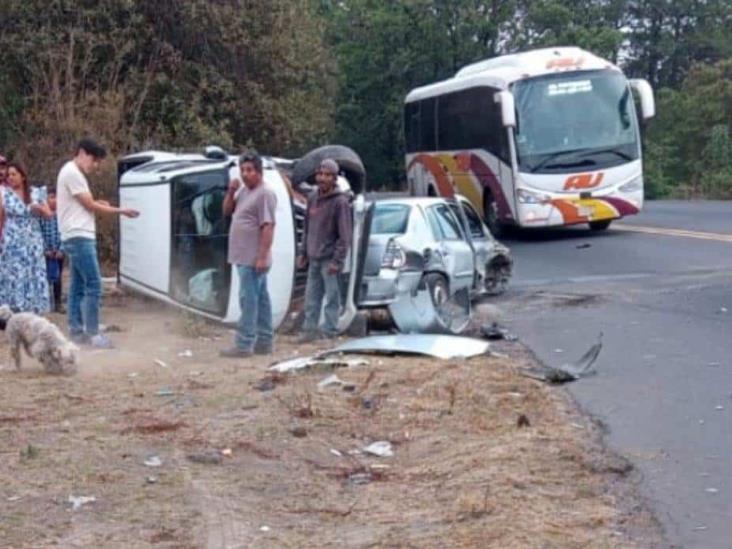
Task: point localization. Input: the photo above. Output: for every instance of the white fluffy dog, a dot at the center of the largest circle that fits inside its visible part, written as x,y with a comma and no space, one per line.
41,339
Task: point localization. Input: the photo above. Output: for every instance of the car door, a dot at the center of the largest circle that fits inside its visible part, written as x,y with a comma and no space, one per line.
453,246
480,238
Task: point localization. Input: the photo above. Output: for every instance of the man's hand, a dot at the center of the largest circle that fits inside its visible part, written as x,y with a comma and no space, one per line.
261,265
129,212
234,185
302,262
333,268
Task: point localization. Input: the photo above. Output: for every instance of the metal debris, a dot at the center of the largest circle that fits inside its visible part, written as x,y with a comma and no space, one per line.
439,346
495,332
567,372
323,360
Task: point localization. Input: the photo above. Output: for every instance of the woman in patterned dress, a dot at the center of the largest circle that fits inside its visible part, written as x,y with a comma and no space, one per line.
23,284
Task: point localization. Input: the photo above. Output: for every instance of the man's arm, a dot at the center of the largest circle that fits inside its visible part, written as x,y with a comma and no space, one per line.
230,198
266,236
345,234
102,206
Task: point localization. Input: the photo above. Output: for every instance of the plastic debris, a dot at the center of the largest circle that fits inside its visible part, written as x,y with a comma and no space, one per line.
360,478
165,392
151,480
711,490
227,452
336,452
381,448
160,363
186,354
153,461
265,528
719,407
318,361
77,502
13,498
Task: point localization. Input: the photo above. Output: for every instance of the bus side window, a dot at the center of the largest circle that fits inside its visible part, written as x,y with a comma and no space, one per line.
412,126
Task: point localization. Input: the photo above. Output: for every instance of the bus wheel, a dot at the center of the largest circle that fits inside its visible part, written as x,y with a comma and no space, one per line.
490,209
600,225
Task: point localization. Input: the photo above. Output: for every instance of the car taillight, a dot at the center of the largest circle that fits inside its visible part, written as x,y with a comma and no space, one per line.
394,257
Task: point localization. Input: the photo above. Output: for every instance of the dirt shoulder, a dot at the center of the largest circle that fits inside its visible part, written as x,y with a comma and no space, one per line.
285,467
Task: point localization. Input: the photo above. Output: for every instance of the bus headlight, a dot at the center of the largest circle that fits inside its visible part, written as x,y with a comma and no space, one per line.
530,197
632,185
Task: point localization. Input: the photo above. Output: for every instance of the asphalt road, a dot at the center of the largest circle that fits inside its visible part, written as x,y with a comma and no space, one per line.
659,287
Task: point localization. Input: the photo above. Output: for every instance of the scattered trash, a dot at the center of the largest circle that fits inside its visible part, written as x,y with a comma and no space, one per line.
711,490
368,402
568,372
208,457
186,354
13,498
165,392
78,501
523,421
558,351
299,432
336,452
160,363
153,461
151,480
495,332
723,309
360,478
719,407
265,384
133,374
381,448
330,380
700,528
439,346
713,364
583,246
321,361
265,528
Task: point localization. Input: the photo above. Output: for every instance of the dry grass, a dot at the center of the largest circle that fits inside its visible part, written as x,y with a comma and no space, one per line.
464,474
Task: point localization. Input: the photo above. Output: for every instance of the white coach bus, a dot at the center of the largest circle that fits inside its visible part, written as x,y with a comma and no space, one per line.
543,138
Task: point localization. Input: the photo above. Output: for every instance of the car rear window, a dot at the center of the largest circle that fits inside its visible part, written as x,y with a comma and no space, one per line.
390,219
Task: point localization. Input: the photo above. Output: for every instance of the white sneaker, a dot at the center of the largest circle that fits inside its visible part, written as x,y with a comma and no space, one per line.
100,341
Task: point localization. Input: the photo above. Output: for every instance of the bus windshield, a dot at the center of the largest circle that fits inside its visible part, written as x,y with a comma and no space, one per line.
575,121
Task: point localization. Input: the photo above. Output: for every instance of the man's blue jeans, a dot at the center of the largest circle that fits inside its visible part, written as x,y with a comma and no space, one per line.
255,322
321,284
86,286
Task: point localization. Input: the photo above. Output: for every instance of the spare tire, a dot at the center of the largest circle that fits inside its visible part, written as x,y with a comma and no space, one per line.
349,162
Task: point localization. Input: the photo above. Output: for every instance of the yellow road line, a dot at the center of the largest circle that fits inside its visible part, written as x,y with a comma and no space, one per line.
719,237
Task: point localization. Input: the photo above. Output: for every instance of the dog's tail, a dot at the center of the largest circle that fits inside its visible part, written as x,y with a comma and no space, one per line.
5,314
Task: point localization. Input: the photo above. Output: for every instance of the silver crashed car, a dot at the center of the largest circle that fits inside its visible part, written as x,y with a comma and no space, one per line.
427,258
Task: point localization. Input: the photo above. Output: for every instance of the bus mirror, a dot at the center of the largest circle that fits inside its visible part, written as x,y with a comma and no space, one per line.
508,112
645,94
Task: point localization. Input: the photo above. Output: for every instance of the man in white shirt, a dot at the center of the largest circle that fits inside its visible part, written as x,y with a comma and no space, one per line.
76,208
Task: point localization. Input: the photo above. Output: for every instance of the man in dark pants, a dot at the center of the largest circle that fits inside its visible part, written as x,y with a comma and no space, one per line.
327,238
54,255
250,250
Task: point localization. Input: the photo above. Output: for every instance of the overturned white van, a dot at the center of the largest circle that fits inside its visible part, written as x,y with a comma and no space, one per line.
177,249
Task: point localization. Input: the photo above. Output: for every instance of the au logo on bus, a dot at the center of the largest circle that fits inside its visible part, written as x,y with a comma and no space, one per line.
583,181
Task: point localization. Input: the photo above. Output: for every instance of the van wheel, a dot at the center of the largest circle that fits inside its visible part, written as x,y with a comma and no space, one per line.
490,209
600,225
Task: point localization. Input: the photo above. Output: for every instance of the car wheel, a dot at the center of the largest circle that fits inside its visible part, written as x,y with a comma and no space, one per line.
600,225
438,289
490,209
497,274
